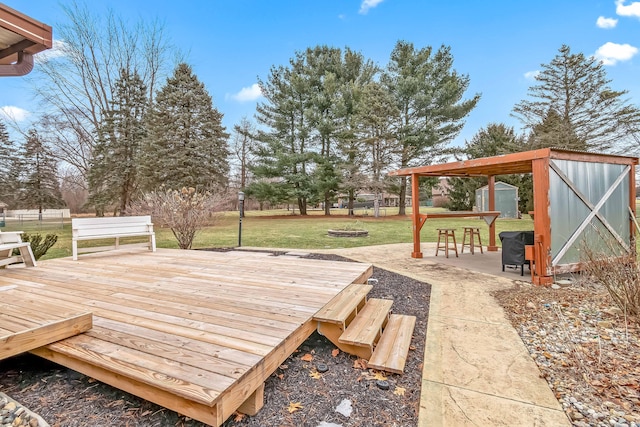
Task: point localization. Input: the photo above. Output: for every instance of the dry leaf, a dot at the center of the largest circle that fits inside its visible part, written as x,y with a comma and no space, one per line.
360,364
399,391
294,406
307,357
281,376
335,352
238,417
315,375
379,376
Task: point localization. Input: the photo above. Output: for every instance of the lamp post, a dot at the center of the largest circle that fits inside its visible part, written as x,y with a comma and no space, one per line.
241,209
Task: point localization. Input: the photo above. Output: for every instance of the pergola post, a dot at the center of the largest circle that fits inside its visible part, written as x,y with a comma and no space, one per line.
492,207
541,222
415,215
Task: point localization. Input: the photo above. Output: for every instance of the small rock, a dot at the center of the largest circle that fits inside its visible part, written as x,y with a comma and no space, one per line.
606,324
345,408
326,424
382,384
531,305
554,286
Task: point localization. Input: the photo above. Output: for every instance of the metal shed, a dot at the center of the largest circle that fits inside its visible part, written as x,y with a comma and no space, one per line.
579,198
506,199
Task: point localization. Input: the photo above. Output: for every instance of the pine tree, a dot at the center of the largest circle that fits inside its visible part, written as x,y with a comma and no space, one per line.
186,142
8,169
41,189
573,96
113,178
428,93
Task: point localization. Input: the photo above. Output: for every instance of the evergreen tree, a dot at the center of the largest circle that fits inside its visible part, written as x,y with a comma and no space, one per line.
113,178
572,95
41,189
428,94
8,168
186,145
494,140
285,155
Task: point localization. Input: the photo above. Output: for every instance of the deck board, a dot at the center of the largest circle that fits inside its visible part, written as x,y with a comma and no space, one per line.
195,331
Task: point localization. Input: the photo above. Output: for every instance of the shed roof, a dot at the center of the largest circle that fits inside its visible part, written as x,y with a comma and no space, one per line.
509,163
20,33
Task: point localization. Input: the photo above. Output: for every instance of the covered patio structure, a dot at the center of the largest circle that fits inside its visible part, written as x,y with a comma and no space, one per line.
579,198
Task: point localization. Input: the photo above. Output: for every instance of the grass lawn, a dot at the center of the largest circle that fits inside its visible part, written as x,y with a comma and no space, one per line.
281,229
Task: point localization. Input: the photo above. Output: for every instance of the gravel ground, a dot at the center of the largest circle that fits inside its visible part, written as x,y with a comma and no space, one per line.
586,349
297,394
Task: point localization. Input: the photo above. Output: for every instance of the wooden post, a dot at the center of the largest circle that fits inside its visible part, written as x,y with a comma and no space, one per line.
541,222
415,215
492,207
632,206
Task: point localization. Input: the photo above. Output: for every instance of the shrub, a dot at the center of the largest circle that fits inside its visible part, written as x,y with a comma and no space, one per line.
38,246
184,211
620,275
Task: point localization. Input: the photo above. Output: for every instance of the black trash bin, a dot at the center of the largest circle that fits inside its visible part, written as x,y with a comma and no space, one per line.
513,243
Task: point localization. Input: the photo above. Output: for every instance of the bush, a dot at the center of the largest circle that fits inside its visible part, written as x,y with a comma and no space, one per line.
620,275
184,211
38,246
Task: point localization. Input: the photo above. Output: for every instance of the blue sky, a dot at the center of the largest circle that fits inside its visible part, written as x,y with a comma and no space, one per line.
499,44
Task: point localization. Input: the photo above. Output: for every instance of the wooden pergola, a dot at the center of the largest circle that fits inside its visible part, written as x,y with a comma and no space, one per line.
599,187
20,38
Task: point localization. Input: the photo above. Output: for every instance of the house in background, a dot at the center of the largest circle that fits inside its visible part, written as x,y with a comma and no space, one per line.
440,193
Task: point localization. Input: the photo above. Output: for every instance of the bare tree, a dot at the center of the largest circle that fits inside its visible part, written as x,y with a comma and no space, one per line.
242,147
76,81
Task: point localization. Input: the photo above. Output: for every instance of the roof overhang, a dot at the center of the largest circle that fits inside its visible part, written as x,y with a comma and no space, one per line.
20,38
514,163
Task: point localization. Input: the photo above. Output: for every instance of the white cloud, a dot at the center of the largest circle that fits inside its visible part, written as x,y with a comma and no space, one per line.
59,49
531,75
633,9
250,93
610,53
14,114
368,4
606,23
342,16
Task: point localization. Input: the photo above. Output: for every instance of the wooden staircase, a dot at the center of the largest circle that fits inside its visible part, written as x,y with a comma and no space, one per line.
365,328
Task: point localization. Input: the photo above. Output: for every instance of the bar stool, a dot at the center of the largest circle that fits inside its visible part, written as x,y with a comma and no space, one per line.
446,233
471,232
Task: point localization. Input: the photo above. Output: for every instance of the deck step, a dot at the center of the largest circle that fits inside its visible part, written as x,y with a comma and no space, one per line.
391,352
365,329
343,305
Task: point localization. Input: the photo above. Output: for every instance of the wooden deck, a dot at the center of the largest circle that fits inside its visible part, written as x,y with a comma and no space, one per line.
197,332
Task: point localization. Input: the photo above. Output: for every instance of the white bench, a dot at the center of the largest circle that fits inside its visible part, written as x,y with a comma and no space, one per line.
10,240
110,228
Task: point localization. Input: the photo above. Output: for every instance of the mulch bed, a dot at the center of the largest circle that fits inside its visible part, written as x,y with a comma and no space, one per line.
295,395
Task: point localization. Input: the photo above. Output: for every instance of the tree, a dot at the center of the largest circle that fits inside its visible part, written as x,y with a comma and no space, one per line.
243,147
284,155
186,144
113,178
376,116
41,188
572,95
428,94
493,140
9,168
77,85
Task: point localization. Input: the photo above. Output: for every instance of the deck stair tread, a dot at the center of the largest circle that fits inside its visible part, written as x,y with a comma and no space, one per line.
391,351
367,326
343,305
